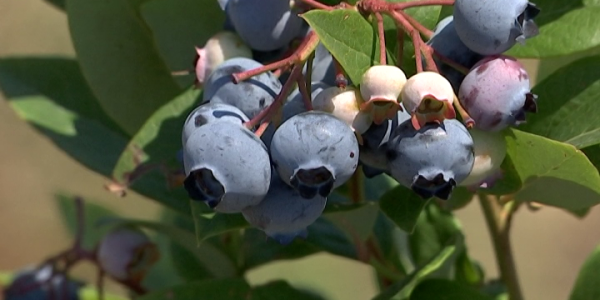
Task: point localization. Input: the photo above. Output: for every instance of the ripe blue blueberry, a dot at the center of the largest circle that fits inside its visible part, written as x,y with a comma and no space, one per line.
491,27
496,93
211,112
432,160
445,42
293,106
41,283
314,152
284,214
226,166
250,96
264,25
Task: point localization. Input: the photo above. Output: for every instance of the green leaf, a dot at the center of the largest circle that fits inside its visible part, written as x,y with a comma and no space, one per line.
120,60
447,290
565,98
217,263
586,286
258,250
375,187
222,289
357,224
349,37
277,290
403,206
552,172
179,28
52,95
403,289
93,214
434,230
460,198
156,144
211,223
565,27
325,236
58,79
60,4
467,270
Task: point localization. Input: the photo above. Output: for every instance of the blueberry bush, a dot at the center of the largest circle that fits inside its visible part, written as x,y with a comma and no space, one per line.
276,129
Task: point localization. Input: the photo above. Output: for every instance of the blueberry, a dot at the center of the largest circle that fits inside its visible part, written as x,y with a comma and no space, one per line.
431,160
496,93
226,166
41,283
211,112
445,42
127,254
491,27
250,96
264,25
374,147
293,106
284,214
314,152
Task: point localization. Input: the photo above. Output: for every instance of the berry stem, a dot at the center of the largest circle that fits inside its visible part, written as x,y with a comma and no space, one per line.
498,219
267,114
306,48
340,77
409,4
381,33
400,55
417,25
305,88
464,70
466,118
403,23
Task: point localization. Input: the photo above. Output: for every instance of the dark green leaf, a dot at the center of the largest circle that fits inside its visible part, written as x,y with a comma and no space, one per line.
211,223
222,289
510,181
447,290
179,28
433,231
586,286
324,235
349,37
60,4
277,290
377,186
403,206
58,79
402,289
156,145
565,27
120,60
467,270
565,98
93,214
52,101
552,173
257,249
460,198
358,224
217,263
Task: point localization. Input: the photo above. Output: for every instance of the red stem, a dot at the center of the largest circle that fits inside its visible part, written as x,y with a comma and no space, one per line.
305,88
418,26
305,49
414,35
380,31
266,114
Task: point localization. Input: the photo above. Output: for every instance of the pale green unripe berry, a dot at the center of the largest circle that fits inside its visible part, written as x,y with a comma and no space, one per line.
219,48
382,83
490,151
344,103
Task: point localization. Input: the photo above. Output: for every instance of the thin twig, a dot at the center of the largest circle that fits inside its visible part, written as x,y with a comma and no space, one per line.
381,33
316,4
416,3
499,228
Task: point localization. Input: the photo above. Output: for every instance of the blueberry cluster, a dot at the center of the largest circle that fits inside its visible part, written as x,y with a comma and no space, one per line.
280,174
